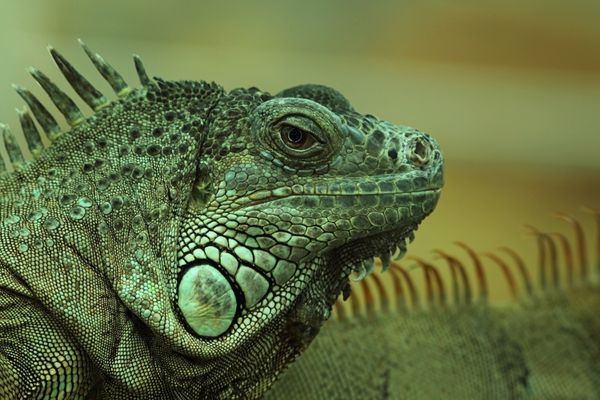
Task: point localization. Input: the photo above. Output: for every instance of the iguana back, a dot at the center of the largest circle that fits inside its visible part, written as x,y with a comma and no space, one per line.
544,346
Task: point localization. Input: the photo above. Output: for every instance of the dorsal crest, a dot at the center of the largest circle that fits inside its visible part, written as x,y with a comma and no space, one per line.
73,115
563,264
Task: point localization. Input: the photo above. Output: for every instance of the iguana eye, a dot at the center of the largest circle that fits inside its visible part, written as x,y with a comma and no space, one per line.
298,132
296,138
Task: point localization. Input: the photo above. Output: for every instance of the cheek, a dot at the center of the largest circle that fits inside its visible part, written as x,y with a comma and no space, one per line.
206,300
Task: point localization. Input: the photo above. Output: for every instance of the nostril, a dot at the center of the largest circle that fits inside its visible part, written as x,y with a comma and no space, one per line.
420,152
420,149
393,154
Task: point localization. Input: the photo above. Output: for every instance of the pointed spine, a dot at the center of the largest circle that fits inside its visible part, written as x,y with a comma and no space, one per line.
412,290
596,214
483,286
141,71
82,86
368,299
30,131
431,275
506,272
457,269
541,246
41,114
398,291
579,242
63,102
567,254
12,148
520,263
114,79
552,253
383,296
3,164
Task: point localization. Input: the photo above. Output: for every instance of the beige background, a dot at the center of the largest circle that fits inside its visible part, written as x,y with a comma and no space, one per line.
511,89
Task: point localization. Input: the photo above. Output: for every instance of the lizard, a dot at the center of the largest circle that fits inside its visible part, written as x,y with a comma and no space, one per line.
543,344
185,241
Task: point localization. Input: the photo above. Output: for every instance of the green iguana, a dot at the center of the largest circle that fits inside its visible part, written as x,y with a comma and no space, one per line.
544,345
185,242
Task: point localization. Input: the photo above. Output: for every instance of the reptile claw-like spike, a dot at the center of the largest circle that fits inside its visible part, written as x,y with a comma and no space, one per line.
521,267
355,306
541,242
88,93
552,254
553,260
456,268
401,251
431,271
580,241
427,275
41,114
32,135
506,271
383,297
568,255
440,284
483,288
409,282
398,290
141,71
114,79
369,264
385,261
361,273
64,103
411,236
369,300
3,167
12,148
453,272
596,214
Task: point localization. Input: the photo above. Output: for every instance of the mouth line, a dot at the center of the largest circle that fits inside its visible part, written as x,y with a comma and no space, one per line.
248,201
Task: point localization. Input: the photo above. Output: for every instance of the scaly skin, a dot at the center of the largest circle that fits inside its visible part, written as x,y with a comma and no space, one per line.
530,351
544,345
188,242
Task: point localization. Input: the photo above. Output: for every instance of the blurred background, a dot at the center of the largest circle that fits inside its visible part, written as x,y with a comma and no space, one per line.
510,89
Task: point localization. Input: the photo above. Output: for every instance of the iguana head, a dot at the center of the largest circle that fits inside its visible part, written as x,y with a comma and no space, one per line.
293,193
207,234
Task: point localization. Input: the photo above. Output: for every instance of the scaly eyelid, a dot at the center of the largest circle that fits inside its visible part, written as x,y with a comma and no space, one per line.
308,144
304,123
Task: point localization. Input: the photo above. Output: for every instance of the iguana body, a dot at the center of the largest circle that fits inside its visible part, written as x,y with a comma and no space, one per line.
544,346
187,242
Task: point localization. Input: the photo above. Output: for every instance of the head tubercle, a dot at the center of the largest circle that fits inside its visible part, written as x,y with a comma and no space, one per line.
321,94
324,95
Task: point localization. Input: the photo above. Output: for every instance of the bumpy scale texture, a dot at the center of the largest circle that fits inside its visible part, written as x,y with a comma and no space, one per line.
188,242
415,345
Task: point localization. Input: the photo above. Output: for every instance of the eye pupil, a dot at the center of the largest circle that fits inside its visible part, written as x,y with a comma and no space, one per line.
295,135
296,138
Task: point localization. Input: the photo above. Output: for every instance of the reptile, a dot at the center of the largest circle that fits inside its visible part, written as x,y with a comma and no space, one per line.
184,241
420,343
